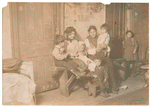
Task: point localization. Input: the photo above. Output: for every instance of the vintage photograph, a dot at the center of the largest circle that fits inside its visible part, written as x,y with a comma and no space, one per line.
76,54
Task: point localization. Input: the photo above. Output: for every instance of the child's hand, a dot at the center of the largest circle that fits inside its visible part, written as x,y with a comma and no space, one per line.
123,42
134,52
105,80
88,62
95,76
62,50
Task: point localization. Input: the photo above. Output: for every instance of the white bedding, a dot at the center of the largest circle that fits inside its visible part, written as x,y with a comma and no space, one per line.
17,87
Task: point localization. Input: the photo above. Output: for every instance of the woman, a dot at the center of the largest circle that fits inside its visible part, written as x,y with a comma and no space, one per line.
91,41
91,44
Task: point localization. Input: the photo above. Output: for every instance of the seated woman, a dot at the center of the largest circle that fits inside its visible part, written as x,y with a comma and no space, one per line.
71,46
91,41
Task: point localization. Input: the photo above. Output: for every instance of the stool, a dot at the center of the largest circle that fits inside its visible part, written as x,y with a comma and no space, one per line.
93,90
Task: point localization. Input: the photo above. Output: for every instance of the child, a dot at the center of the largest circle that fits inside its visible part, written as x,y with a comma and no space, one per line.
107,63
130,49
100,76
104,38
82,55
61,57
72,48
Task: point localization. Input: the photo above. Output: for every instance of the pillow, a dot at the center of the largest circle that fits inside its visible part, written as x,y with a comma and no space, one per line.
11,65
27,69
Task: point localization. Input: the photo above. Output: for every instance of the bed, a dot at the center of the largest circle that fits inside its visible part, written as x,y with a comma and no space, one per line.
19,88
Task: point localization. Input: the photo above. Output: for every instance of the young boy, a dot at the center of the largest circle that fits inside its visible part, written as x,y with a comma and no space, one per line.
104,39
100,76
61,57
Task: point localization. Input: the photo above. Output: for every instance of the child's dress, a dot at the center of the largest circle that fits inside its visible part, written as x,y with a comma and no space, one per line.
90,64
129,46
104,39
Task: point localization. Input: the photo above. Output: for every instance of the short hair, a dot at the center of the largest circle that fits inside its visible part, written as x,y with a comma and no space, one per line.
59,39
69,30
92,27
98,57
129,31
105,26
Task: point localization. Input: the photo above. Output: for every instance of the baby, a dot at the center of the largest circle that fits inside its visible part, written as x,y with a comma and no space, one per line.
82,55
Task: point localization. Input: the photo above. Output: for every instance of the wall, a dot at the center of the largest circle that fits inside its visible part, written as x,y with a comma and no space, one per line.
82,15
6,36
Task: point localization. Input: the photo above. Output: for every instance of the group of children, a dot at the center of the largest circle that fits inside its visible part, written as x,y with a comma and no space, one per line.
86,58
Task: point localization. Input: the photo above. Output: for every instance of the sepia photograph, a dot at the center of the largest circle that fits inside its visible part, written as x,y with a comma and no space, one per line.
77,54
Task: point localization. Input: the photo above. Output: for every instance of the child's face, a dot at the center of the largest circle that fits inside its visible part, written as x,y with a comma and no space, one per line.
129,35
62,44
71,35
97,62
82,48
92,33
103,30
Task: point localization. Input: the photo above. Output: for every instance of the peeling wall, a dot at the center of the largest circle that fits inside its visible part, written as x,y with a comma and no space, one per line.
82,15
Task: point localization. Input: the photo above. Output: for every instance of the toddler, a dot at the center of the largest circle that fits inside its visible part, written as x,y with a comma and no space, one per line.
100,77
104,38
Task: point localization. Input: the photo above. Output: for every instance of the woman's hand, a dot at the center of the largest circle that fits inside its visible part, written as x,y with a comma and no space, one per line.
95,76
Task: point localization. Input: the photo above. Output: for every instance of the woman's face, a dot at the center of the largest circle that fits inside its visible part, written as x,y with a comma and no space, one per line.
93,33
71,35
129,35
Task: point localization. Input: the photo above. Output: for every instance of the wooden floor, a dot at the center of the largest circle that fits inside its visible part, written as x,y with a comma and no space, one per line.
79,96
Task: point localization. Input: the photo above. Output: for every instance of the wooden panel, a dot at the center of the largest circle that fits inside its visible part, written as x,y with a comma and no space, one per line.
48,20
39,21
14,30
30,22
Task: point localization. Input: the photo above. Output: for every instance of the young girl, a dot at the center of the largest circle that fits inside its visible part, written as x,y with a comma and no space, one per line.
72,47
104,38
91,41
130,49
61,57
